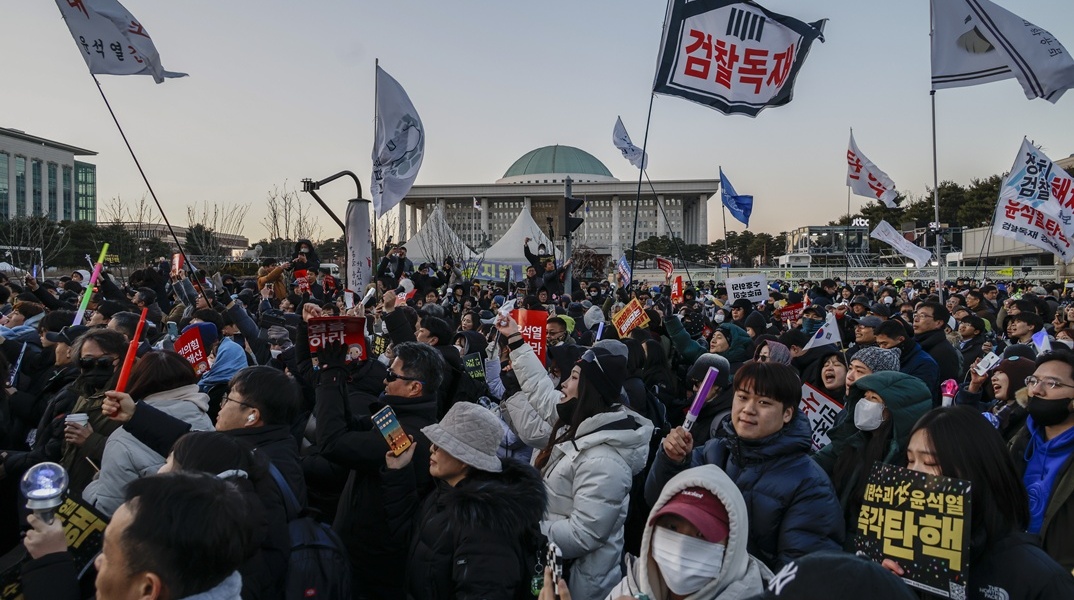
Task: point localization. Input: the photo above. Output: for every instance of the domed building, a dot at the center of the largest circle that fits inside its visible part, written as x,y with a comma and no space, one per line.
483,213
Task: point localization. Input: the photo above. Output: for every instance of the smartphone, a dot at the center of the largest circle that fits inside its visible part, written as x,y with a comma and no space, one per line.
987,362
392,431
173,329
555,561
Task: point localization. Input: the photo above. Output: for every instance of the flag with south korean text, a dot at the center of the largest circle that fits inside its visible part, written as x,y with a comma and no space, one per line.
111,40
1036,204
866,179
736,57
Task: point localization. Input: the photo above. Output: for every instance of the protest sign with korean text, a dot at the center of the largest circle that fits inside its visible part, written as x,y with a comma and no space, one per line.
751,287
632,316
475,367
677,290
791,312
191,347
350,331
665,265
821,412
1021,222
920,521
533,324
381,341
1045,188
623,267
737,57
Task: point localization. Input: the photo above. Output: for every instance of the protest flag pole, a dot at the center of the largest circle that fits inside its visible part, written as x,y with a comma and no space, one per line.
936,201
376,127
138,164
846,238
637,197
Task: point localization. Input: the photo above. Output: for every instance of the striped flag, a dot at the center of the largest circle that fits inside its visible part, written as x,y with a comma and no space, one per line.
665,265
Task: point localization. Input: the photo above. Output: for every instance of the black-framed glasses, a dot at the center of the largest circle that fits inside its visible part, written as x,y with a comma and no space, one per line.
227,398
392,376
88,363
1049,382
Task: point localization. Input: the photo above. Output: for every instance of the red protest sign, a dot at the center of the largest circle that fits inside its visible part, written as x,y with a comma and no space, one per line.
191,347
532,324
302,281
349,330
177,263
677,291
791,312
633,315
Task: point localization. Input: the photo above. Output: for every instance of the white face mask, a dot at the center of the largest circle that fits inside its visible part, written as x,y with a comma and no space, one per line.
275,353
868,416
719,316
888,300
686,563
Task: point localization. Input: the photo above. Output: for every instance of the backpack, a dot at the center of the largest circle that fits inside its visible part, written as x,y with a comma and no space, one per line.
318,566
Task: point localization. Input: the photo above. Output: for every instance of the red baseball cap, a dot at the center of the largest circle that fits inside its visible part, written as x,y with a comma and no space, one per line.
702,509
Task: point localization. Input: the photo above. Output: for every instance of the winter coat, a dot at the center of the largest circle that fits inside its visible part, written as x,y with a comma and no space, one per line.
741,576
79,470
790,500
230,359
312,263
361,519
1016,567
1058,521
467,541
948,358
228,589
126,459
913,360
46,442
273,275
51,577
970,350
906,399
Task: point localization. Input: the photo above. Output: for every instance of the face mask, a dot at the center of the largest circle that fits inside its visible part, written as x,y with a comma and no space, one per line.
868,416
1046,413
686,563
565,410
275,353
92,381
719,317
888,299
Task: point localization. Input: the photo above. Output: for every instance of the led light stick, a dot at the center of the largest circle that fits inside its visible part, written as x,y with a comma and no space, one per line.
699,399
132,353
89,289
43,485
948,389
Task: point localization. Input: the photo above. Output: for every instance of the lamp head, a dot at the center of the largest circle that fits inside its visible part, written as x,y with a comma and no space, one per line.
44,485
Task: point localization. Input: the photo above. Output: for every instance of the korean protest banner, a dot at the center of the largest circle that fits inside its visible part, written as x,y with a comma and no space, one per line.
821,412
532,324
191,347
623,267
920,521
866,179
1037,185
381,341
677,290
751,287
665,265
350,331
83,526
633,315
475,367
302,281
1020,222
791,312
736,57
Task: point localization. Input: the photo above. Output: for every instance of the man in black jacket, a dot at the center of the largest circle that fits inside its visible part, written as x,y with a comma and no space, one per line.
435,332
971,330
930,318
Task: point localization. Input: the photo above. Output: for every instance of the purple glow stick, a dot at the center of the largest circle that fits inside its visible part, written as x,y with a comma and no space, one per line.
699,399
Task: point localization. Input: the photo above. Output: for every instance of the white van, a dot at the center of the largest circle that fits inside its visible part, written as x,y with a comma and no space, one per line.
333,269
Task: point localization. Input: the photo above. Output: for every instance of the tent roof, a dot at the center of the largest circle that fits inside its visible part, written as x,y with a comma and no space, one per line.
509,247
435,241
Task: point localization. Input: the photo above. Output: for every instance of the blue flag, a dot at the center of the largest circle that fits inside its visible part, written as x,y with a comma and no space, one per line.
740,206
624,270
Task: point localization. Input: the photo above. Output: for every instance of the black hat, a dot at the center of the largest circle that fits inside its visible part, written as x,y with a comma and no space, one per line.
743,304
862,300
67,335
835,575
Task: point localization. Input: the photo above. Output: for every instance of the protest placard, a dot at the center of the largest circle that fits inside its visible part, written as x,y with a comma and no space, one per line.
751,287
532,324
475,367
348,330
192,348
677,290
633,315
821,412
920,521
381,341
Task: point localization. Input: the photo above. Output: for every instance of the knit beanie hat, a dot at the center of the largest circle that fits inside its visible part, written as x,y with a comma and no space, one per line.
878,359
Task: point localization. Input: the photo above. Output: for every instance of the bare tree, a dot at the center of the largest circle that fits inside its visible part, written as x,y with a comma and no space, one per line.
288,219
208,226
27,241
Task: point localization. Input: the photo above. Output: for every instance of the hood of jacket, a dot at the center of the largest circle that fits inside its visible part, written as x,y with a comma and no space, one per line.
906,397
740,343
593,316
756,321
475,342
230,359
509,502
228,589
21,333
623,430
739,568
187,393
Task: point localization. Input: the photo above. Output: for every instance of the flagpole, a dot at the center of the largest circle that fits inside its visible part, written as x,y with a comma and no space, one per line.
376,120
846,240
637,197
138,164
936,201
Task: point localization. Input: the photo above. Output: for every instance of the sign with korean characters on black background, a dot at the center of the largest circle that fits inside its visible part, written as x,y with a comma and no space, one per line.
920,521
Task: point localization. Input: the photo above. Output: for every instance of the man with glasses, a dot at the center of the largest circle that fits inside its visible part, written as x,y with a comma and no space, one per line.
930,318
1042,451
864,334
556,333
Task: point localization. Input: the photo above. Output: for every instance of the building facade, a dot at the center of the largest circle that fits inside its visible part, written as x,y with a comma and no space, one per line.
41,177
481,213
234,244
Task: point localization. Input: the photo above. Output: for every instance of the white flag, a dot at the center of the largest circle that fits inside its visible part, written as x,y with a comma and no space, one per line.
827,334
866,179
399,147
632,153
887,234
1036,204
977,41
111,40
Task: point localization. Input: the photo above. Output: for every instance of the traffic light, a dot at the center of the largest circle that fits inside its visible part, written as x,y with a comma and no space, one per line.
570,206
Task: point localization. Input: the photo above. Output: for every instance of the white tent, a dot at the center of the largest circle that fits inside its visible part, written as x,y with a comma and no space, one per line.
435,241
509,247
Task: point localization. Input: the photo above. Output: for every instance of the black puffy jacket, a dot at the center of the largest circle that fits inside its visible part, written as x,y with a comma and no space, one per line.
467,541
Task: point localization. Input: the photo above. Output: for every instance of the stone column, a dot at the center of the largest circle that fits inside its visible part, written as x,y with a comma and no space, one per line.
702,220
485,207
403,207
412,219
617,241
660,224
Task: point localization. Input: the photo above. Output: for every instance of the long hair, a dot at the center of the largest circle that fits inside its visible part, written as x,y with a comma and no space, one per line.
967,447
590,404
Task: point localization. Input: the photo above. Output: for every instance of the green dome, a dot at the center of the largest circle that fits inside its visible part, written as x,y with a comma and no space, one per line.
557,159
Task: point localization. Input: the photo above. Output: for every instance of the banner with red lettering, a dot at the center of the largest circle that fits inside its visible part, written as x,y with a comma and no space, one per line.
791,312
677,291
821,412
737,57
533,324
191,347
866,179
348,330
665,265
633,315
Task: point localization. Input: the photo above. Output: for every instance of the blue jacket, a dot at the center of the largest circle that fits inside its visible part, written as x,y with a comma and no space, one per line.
915,361
230,359
790,501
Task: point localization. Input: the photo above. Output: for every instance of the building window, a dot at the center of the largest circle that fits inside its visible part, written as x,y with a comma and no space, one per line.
68,208
35,171
86,191
4,183
52,208
20,186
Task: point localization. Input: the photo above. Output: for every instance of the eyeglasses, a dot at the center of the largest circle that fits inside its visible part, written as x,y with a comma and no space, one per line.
88,363
922,316
392,376
1049,382
227,398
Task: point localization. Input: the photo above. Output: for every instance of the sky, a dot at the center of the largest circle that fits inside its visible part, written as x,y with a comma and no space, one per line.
280,91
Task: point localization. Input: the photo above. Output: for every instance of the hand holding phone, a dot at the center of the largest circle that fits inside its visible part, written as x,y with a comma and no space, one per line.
389,427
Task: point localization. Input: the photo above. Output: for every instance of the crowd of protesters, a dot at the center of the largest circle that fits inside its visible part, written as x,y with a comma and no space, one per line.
204,476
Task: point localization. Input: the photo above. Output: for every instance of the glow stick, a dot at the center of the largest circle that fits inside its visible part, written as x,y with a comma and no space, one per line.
132,352
89,289
699,399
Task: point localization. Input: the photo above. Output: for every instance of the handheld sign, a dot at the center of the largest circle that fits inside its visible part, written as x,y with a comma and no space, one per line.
191,347
532,324
348,330
699,399
475,367
632,316
920,521
821,412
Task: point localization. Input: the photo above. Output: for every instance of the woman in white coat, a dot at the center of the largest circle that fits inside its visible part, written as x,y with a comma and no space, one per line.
591,448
